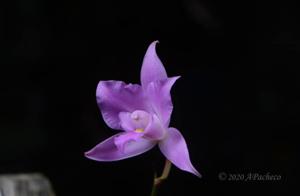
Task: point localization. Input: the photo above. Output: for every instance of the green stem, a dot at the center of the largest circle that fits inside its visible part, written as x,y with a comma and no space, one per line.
158,180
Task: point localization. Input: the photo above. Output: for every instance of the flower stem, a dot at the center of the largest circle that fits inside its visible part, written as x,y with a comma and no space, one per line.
158,180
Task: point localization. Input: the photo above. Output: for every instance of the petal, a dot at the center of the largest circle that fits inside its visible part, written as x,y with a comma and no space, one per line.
175,149
126,121
108,150
152,67
155,130
123,139
159,95
114,97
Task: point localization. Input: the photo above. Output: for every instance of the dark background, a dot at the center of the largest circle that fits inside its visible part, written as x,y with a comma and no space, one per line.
235,104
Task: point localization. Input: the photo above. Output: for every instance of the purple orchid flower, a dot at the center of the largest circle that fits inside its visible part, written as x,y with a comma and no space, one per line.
143,113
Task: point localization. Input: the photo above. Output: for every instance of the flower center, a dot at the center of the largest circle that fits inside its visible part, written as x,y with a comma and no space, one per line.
135,116
139,130
140,120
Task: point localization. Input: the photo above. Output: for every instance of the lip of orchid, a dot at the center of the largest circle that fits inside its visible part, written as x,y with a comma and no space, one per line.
143,113
141,121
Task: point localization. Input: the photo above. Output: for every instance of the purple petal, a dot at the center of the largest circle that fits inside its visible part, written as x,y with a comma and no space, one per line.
175,149
159,95
114,97
152,67
126,121
109,151
155,130
122,140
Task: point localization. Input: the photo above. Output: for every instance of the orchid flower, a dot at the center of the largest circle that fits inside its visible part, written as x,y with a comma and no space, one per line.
142,113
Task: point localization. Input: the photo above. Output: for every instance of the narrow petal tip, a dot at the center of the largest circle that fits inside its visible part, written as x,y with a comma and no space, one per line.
175,149
88,154
155,42
197,173
191,169
152,67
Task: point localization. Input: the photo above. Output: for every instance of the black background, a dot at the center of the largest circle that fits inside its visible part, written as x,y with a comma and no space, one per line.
235,104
